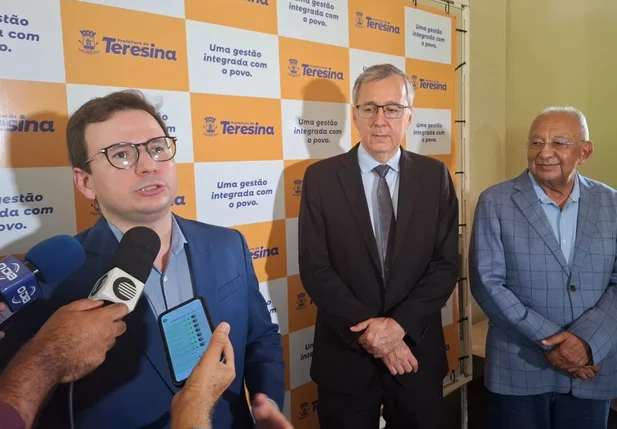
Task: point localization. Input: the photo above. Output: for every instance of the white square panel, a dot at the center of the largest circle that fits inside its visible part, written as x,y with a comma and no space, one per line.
292,246
275,294
31,41
315,21
300,356
238,193
315,130
428,36
430,132
24,223
287,406
173,8
232,61
447,312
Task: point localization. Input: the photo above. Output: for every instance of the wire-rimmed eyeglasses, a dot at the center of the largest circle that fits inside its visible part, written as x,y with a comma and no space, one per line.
557,145
390,111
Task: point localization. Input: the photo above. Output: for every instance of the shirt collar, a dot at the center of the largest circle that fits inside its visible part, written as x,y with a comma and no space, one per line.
177,237
574,195
367,163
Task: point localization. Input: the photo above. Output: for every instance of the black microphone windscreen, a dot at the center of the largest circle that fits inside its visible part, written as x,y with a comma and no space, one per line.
136,252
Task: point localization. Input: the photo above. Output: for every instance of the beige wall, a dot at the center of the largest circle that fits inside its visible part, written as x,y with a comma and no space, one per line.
562,53
488,103
527,55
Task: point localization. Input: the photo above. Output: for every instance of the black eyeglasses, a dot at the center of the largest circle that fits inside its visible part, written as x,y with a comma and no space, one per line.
390,111
126,155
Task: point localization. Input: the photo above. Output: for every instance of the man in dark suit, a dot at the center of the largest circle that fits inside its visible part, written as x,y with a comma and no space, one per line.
378,254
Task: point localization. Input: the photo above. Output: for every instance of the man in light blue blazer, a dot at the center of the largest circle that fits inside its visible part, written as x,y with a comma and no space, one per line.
543,268
123,159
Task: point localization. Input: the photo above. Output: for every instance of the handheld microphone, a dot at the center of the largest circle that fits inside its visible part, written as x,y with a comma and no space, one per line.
130,267
50,261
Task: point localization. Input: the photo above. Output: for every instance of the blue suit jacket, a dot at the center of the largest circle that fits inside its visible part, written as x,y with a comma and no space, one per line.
523,283
133,388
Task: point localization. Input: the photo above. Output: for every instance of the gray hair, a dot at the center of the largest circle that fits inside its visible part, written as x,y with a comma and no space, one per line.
379,72
572,111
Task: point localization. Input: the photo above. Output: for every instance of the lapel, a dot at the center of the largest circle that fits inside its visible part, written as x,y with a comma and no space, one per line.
199,255
141,323
586,226
527,201
351,181
408,191
100,240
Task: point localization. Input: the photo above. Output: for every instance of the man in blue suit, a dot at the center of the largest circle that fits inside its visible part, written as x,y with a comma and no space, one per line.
543,268
122,158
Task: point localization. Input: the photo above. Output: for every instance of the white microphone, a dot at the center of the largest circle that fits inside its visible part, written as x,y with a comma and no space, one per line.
130,265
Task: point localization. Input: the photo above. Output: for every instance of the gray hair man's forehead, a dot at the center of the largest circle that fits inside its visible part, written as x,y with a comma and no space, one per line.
380,72
567,110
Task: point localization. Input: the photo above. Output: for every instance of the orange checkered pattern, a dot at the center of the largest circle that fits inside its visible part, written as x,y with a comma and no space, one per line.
254,90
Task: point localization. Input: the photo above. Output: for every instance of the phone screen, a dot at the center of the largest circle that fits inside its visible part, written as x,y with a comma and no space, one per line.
186,333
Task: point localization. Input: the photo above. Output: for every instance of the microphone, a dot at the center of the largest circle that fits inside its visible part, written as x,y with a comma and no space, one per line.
130,267
50,261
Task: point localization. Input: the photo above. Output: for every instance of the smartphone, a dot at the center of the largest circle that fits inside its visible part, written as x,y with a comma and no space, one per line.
186,330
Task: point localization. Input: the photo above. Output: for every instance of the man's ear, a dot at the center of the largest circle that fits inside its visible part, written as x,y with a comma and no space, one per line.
587,151
82,181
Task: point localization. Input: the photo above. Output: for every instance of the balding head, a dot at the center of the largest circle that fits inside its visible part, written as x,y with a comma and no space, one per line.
570,111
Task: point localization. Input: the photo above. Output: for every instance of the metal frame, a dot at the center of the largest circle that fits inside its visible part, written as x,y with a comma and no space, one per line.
467,216
465,153
460,4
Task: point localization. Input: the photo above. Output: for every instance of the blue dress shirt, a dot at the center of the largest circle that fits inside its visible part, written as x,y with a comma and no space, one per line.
563,222
172,287
370,179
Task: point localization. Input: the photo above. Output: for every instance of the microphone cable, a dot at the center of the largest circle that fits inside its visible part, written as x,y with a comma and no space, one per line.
72,423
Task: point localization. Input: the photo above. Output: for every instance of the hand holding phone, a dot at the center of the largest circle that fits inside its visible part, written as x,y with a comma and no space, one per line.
194,404
186,330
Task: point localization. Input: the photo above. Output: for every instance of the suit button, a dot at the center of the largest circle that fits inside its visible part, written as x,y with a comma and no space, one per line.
572,288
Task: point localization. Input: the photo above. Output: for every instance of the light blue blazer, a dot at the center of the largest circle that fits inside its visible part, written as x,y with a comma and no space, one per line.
521,280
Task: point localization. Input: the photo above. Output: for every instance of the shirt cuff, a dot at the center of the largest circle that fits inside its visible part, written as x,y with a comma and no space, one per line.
269,399
10,418
274,403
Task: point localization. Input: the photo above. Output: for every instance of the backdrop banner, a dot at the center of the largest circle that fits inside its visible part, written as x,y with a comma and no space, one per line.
254,90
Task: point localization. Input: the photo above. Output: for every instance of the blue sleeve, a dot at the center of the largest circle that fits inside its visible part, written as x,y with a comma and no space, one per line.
264,367
598,325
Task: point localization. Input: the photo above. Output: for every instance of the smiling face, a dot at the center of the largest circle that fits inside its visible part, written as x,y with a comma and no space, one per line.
139,195
380,135
554,164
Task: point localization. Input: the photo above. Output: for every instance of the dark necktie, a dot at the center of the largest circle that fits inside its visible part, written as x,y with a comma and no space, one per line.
386,215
